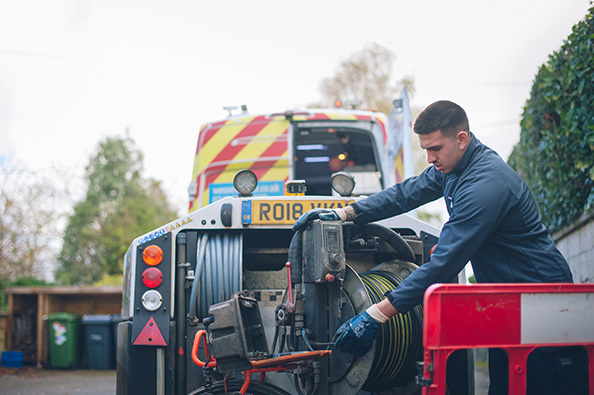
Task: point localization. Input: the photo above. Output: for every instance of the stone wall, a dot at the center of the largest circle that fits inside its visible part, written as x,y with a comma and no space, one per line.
576,243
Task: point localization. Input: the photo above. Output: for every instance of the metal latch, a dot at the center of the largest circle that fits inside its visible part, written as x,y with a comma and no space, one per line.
420,378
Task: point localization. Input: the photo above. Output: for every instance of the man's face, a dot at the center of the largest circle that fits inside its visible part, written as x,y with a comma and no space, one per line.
443,152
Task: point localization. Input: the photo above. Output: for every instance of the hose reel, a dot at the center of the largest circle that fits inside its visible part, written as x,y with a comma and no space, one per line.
390,362
219,269
399,343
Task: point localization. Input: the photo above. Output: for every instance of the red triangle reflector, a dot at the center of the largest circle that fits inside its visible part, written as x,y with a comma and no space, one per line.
150,335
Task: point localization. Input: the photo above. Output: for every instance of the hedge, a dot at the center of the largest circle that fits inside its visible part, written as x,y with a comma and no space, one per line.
555,154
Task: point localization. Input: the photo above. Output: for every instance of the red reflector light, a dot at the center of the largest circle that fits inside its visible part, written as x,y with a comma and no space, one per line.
152,277
152,255
150,335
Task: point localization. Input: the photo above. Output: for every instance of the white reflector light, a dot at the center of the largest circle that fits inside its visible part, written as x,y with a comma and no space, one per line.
152,300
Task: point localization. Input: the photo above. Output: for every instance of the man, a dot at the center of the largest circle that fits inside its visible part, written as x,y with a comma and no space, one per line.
494,223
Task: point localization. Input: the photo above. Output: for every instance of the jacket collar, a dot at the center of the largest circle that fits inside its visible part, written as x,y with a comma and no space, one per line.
473,146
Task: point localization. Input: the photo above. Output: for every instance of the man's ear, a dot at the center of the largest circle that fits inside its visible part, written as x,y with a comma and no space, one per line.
462,140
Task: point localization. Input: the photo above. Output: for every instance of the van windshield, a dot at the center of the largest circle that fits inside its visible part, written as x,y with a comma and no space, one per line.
323,151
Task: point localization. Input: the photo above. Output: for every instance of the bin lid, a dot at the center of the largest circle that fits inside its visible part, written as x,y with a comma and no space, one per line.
63,316
96,319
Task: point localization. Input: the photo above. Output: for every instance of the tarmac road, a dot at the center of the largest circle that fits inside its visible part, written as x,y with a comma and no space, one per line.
36,381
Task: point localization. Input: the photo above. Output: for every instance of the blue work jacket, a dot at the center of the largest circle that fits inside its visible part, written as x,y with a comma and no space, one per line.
494,223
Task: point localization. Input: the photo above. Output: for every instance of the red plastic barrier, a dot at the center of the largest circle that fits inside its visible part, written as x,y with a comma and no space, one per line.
514,317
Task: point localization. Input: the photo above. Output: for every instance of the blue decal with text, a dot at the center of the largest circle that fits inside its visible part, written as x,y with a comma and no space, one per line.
264,188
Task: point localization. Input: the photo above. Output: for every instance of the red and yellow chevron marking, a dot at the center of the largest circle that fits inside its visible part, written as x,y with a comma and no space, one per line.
257,143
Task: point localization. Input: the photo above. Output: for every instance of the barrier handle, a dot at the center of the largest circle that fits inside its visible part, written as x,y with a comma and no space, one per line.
197,338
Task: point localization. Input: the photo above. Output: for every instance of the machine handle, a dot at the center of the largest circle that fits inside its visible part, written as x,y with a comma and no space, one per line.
197,338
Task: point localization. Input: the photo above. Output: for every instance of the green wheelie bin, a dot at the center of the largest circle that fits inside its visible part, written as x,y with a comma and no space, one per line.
64,338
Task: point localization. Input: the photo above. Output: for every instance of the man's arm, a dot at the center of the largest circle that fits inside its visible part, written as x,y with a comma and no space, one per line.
349,213
386,308
478,211
400,198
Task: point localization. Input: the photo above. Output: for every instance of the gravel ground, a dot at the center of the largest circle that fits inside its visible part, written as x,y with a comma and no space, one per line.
35,381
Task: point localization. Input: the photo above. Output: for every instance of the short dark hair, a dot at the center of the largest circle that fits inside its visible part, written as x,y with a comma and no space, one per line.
443,115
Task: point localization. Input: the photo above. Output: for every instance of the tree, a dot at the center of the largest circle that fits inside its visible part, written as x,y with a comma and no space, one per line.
119,206
366,76
28,225
29,232
555,155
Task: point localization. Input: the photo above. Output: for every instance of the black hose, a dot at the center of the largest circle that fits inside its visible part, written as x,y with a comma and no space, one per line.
399,342
295,257
281,347
296,384
274,339
390,237
255,388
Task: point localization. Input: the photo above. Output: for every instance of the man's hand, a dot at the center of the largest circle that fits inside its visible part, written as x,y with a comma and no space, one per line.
357,334
325,214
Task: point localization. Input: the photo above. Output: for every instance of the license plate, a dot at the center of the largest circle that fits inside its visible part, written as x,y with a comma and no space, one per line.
282,212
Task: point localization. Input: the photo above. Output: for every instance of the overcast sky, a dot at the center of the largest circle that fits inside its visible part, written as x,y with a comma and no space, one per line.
73,72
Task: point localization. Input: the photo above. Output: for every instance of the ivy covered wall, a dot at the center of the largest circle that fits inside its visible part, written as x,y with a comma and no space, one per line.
555,155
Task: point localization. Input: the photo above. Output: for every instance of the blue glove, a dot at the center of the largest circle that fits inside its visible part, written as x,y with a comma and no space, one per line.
357,334
325,214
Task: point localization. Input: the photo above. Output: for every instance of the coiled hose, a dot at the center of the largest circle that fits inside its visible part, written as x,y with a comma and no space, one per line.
218,271
400,341
390,237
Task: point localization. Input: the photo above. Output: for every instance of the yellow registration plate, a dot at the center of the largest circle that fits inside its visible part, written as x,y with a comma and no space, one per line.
282,212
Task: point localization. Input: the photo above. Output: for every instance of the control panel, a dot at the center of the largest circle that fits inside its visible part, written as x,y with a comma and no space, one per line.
323,252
